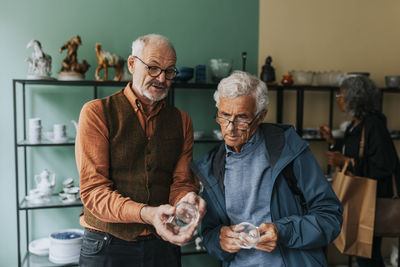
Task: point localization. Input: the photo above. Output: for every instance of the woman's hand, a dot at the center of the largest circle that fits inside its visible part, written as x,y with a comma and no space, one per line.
325,132
336,159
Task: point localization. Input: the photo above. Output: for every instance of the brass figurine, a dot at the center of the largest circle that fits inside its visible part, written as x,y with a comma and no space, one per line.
105,60
71,69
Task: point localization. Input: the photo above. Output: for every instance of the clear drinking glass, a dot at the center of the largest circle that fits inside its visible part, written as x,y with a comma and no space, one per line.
186,215
248,235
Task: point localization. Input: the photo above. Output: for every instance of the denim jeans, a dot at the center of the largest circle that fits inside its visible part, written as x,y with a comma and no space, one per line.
104,250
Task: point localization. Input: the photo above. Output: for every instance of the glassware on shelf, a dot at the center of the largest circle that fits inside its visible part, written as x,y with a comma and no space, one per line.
248,235
186,215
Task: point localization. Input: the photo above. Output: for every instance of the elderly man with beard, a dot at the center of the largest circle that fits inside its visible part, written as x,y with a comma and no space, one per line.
132,154
266,175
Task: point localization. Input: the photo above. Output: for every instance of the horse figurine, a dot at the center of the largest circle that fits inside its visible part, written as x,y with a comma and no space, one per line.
105,60
39,63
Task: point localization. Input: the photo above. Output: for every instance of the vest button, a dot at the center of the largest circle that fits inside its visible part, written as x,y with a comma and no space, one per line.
148,168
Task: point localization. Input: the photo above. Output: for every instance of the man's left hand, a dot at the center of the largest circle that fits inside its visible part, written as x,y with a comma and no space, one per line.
268,237
199,203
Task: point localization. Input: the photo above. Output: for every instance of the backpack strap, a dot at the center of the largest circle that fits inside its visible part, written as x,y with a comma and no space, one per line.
275,141
291,180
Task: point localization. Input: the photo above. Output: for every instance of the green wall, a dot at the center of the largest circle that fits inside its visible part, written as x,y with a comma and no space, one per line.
199,30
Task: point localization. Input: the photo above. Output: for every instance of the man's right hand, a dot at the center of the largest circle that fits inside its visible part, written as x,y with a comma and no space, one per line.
227,239
157,216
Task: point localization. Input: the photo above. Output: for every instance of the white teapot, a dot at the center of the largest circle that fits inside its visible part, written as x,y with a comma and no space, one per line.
45,182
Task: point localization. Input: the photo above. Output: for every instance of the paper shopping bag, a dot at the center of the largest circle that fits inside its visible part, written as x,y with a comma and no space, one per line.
358,196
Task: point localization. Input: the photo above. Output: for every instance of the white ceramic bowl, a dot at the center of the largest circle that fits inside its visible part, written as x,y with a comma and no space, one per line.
217,134
219,68
198,134
337,133
65,246
301,77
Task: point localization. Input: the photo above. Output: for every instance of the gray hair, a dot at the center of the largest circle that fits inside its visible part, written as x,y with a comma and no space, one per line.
242,83
361,96
142,41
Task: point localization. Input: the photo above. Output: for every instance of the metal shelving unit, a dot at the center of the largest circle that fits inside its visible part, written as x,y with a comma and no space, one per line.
21,146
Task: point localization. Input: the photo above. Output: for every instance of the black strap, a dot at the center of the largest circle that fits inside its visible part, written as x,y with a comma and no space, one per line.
291,180
275,141
218,165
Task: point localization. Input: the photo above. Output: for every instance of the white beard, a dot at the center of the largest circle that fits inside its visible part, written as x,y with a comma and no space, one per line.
145,92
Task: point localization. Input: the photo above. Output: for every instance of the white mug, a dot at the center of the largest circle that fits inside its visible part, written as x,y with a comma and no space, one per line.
34,122
59,131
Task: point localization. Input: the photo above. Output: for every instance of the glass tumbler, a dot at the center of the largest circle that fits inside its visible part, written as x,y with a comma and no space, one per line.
186,215
248,235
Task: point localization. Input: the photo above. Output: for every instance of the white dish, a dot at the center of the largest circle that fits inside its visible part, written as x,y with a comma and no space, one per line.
59,141
50,136
40,246
72,190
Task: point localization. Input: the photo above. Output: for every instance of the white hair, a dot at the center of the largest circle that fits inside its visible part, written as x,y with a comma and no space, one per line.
142,41
242,83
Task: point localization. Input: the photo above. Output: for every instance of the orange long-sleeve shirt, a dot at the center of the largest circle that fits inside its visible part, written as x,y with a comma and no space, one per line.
92,159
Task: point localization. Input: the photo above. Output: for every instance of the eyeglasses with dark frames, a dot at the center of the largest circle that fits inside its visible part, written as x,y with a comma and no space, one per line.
155,71
238,124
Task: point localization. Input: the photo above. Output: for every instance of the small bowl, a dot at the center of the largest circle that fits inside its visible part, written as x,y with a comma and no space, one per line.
218,134
337,133
198,134
392,81
301,77
219,68
184,74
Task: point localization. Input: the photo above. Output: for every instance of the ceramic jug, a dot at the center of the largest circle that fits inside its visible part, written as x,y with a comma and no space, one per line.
45,182
75,124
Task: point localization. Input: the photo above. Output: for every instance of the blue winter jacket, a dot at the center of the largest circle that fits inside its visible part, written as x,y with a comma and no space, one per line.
302,234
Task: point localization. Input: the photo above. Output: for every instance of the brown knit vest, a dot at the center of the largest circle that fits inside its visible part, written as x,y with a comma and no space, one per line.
141,169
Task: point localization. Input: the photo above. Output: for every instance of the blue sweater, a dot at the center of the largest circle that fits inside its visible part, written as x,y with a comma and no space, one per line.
301,236
248,190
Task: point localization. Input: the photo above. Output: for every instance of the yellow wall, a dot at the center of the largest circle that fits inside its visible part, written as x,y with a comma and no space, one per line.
323,35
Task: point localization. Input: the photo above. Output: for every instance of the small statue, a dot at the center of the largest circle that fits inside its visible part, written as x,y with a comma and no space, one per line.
106,59
70,68
268,72
39,63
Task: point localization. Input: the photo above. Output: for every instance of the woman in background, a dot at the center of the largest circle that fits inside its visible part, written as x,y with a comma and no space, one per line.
362,99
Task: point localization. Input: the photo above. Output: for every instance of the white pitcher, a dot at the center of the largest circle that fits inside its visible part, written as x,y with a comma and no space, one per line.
45,182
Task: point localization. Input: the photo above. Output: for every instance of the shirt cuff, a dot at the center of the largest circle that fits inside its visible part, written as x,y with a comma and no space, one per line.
133,212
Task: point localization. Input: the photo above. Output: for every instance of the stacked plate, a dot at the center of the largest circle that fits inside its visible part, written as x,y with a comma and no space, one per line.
40,246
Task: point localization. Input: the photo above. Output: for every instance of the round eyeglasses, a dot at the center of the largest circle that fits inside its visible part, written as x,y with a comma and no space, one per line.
238,124
155,71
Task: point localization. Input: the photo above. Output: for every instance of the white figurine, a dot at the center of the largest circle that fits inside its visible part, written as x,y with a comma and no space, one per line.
39,63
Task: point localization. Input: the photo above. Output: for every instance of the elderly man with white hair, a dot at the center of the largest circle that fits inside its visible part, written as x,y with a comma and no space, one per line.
266,175
133,152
